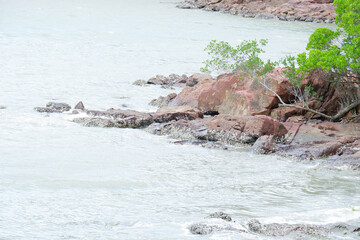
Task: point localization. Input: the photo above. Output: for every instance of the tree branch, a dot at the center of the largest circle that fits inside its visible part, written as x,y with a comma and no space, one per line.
336,117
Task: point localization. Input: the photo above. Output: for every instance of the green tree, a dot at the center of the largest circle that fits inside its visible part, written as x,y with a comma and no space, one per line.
337,52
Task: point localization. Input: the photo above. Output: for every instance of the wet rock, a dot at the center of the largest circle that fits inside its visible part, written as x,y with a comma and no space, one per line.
284,229
221,128
115,118
169,113
348,156
310,150
216,222
221,215
298,230
80,106
203,229
294,231
335,141
203,143
208,228
140,82
162,101
264,145
54,107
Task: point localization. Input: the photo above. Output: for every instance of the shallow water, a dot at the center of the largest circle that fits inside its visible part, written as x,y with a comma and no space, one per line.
59,180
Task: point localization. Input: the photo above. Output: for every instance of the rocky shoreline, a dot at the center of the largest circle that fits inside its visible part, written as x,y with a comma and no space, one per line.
318,11
228,112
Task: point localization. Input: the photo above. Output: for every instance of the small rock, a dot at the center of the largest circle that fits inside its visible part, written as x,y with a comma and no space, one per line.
140,82
196,78
201,229
54,107
221,215
162,101
80,106
264,145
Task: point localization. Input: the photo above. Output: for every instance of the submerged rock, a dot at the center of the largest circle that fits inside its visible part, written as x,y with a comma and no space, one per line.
221,215
140,82
254,226
211,227
115,118
299,230
54,107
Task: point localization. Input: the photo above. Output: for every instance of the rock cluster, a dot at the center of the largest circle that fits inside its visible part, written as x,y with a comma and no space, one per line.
286,10
54,107
174,80
233,110
254,226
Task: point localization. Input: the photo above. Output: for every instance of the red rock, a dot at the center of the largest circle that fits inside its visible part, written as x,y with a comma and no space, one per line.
283,113
231,94
189,96
255,126
169,113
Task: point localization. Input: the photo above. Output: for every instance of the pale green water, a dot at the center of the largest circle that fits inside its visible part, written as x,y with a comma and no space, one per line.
59,180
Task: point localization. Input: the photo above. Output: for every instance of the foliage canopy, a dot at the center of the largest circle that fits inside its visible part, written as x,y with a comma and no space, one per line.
336,51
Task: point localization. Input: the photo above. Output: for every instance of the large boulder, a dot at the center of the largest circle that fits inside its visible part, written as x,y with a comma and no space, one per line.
189,96
236,95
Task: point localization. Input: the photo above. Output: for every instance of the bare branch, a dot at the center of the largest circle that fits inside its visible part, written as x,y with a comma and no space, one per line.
336,117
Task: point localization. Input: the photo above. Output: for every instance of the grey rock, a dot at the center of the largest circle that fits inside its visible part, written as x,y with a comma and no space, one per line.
115,118
196,78
158,80
264,145
80,106
162,101
221,215
54,107
201,229
140,82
